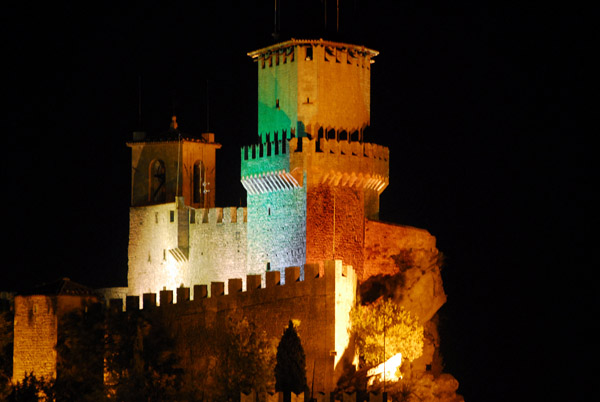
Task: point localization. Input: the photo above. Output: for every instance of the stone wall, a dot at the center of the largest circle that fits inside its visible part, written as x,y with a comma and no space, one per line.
36,326
172,245
153,232
319,305
276,230
335,224
277,94
218,242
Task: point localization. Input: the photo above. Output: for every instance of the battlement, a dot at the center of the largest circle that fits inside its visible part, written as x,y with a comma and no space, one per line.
333,162
278,147
206,296
218,215
166,213
331,146
265,157
286,49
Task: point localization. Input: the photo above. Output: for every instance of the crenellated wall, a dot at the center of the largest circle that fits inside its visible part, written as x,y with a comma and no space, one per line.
218,243
349,157
172,244
354,164
319,304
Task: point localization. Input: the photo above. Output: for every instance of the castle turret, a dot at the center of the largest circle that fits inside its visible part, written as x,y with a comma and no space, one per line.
172,165
313,88
172,175
311,180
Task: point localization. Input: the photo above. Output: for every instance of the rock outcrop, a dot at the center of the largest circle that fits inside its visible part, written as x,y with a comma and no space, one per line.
417,286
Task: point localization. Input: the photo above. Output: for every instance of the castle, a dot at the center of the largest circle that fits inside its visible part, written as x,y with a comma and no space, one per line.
310,232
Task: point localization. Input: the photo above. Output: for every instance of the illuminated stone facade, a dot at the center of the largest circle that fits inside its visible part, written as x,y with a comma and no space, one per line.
37,324
311,180
319,305
313,188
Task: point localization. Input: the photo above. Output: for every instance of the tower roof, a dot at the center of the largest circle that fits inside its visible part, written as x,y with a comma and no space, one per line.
294,42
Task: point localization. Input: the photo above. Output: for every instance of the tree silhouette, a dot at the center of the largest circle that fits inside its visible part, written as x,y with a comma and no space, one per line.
246,359
140,358
80,353
290,370
6,352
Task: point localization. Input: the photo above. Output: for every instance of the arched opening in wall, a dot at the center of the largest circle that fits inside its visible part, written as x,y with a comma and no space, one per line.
355,136
261,150
320,133
343,136
269,148
276,139
198,183
331,134
158,185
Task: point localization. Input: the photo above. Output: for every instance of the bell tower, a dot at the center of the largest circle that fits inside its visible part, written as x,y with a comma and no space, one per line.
171,174
173,165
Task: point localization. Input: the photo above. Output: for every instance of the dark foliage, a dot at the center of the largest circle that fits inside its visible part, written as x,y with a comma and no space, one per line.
290,370
245,360
377,286
140,358
32,389
80,351
6,351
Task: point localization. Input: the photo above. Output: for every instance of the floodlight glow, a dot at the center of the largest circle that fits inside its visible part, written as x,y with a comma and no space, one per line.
389,368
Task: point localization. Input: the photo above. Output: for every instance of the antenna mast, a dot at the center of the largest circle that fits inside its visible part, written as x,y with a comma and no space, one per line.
337,26
276,20
207,109
325,14
139,102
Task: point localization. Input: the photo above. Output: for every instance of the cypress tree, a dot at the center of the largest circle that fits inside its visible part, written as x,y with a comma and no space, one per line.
290,370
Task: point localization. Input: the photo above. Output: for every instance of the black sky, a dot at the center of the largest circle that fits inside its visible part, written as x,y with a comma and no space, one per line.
465,96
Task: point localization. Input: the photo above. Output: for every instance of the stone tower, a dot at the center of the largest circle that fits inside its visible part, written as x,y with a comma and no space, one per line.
38,322
170,176
312,180
173,165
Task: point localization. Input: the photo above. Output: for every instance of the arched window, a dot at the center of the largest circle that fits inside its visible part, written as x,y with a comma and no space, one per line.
198,183
158,185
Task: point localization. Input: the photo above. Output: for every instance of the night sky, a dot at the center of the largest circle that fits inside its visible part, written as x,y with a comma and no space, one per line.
464,96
